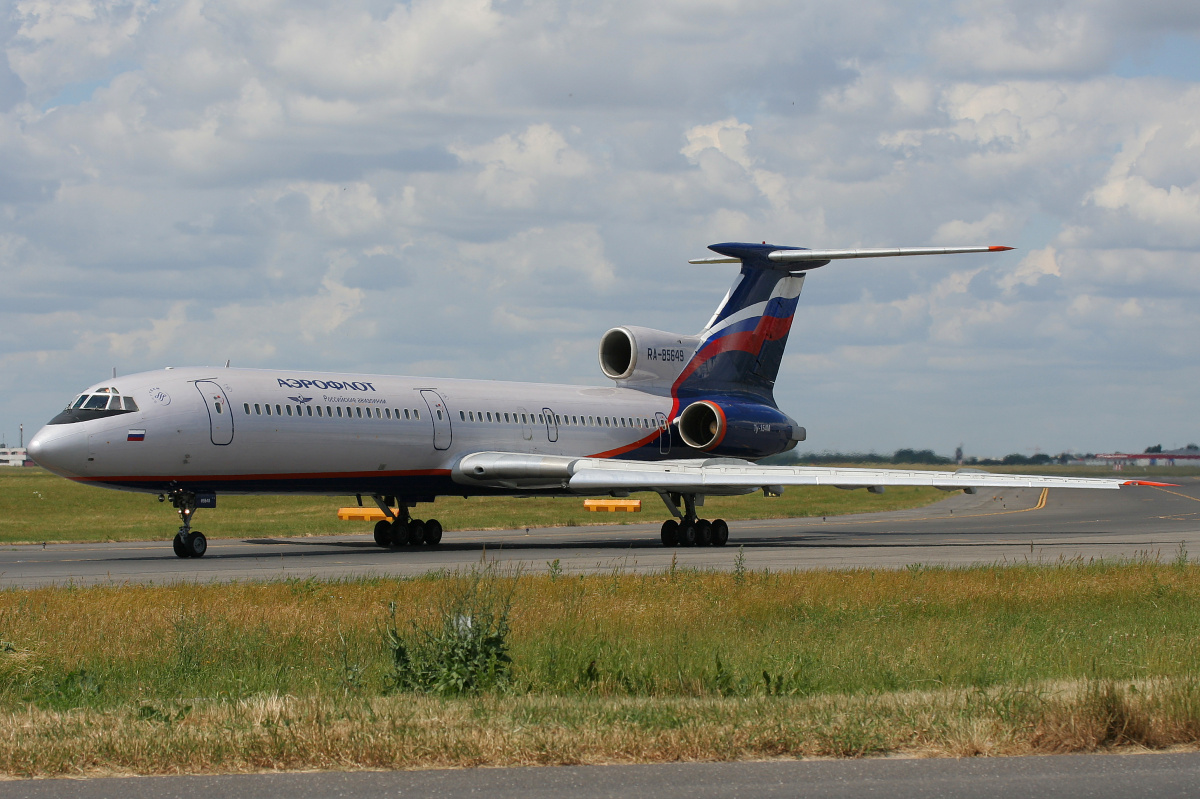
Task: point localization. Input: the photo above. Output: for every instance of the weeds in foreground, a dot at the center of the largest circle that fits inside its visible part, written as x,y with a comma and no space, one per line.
463,648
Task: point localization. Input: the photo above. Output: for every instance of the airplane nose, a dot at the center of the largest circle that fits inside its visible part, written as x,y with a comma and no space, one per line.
60,449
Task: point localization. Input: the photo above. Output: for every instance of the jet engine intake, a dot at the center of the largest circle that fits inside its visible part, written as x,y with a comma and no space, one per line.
702,425
737,429
643,356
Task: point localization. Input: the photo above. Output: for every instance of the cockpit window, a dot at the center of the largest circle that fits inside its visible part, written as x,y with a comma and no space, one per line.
130,405
78,403
96,402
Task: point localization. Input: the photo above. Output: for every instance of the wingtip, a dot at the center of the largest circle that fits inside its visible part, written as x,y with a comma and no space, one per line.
1000,248
1149,483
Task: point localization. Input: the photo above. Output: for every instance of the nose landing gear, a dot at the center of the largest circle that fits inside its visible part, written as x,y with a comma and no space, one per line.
188,543
690,531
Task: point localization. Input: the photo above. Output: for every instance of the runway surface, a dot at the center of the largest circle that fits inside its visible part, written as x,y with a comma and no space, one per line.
1017,526
1061,777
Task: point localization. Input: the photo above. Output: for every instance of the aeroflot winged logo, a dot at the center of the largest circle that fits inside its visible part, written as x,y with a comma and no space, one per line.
336,385
300,400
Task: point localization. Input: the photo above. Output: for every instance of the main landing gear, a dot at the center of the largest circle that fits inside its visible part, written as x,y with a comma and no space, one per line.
399,529
689,531
188,543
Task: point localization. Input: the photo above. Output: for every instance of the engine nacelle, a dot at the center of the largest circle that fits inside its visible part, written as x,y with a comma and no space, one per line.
641,355
738,429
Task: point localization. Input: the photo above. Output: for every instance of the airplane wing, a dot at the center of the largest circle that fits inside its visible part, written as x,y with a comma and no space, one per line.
727,476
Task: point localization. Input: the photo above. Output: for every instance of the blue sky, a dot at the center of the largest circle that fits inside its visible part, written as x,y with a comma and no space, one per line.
476,188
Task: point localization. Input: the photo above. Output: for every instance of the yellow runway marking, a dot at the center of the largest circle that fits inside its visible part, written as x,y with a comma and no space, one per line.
1176,493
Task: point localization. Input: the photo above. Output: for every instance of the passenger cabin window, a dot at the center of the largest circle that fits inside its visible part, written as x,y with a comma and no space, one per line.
246,405
289,410
309,409
216,405
417,414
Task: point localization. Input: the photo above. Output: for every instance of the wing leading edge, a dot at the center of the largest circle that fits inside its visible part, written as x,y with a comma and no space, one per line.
727,476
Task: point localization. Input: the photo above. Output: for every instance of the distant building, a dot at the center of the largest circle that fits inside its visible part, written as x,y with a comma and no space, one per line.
1184,456
14,456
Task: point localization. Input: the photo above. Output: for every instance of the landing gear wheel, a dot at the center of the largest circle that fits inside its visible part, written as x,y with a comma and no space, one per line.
196,545
397,532
687,534
720,533
416,532
180,547
670,532
383,533
703,533
433,532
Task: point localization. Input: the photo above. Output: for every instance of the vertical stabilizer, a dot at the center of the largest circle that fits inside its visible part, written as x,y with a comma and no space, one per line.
742,346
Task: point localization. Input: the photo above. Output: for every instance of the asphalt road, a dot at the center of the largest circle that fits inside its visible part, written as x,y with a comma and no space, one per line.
997,527
1061,777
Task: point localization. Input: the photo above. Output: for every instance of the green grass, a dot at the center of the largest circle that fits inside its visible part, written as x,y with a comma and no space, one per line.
300,674
815,633
36,506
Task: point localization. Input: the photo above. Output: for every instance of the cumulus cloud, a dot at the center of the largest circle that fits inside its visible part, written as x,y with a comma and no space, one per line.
468,187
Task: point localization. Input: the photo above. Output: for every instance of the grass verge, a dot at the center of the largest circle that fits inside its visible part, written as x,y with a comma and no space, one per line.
607,668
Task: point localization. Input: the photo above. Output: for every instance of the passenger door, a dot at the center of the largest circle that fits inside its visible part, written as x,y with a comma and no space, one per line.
220,415
443,432
526,429
664,433
551,425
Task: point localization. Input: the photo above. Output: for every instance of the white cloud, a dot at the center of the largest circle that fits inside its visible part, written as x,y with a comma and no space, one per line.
481,188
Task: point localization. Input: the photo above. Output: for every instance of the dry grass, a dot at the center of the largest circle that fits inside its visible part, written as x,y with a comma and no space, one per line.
403,732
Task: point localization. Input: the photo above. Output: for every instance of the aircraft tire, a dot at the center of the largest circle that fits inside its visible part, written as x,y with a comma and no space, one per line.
720,533
687,534
670,532
397,533
180,547
703,533
383,533
416,532
433,532
196,545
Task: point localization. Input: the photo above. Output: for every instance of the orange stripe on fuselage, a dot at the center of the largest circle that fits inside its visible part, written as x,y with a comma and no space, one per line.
217,478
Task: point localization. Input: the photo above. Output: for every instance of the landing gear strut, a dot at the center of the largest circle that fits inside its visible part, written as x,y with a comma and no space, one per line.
690,531
188,543
400,529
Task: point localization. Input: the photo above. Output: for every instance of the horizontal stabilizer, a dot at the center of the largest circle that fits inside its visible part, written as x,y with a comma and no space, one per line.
792,255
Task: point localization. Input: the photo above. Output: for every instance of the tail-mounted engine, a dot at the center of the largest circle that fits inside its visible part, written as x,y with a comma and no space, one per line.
639,355
738,429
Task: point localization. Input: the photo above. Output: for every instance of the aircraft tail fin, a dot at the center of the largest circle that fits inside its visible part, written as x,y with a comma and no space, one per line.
742,346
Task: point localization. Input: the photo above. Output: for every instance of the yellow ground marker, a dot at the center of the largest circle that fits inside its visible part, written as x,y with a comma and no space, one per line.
613,505
361,514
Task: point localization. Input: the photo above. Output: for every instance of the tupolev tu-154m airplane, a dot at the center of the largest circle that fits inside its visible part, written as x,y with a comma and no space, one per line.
686,416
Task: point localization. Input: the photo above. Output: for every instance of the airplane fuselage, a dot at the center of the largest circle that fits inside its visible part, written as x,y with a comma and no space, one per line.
227,430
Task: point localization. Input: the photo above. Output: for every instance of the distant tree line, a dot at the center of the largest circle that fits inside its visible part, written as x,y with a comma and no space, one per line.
921,456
